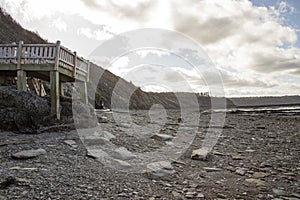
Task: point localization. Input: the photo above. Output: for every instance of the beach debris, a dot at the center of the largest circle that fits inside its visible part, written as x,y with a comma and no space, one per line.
56,128
212,169
29,154
71,143
8,182
102,119
17,142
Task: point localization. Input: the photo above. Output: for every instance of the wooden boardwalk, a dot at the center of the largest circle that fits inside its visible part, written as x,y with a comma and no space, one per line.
50,62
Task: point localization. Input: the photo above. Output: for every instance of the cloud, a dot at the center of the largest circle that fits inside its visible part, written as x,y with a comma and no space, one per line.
97,34
132,9
251,46
60,24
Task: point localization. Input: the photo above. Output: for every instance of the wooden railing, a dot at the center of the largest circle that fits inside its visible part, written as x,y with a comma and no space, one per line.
43,54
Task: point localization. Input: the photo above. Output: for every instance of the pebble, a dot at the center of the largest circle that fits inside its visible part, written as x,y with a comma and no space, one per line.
212,169
259,175
240,171
200,195
237,157
257,182
278,192
199,154
29,154
176,194
190,195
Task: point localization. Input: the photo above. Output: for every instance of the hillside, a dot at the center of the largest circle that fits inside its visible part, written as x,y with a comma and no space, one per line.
265,101
11,31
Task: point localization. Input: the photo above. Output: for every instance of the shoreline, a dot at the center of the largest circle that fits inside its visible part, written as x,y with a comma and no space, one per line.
256,157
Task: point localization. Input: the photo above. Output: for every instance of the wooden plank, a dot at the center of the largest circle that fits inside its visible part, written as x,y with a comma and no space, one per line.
64,62
45,55
41,52
8,45
19,55
51,52
8,67
4,52
36,54
38,67
40,45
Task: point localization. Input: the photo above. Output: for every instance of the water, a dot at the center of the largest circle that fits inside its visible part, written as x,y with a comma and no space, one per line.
284,109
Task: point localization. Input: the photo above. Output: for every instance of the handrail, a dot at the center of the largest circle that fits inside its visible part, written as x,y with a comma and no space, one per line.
44,53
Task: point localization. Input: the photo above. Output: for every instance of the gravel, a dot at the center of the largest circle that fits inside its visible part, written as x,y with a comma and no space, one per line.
251,163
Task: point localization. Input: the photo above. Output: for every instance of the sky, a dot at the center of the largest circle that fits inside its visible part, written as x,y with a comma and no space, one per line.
253,46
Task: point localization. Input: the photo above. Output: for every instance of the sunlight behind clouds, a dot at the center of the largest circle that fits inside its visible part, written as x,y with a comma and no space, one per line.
249,44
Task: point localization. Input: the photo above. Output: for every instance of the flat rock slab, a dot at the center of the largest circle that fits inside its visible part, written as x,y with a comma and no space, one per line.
94,141
159,169
107,160
162,137
29,154
123,154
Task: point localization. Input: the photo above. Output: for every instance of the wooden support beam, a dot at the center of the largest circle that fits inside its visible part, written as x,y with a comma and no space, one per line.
54,93
2,80
21,80
84,93
75,64
54,84
61,88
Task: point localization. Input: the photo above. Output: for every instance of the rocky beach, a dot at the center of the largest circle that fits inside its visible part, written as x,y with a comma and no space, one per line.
255,157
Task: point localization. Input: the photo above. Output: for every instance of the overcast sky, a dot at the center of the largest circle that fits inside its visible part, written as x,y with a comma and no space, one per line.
254,45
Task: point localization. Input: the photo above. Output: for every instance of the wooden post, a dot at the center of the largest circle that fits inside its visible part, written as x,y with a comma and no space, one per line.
75,64
56,61
54,84
54,93
21,74
88,72
84,91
